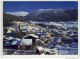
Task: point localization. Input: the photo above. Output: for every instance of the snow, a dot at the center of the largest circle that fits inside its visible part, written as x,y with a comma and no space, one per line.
67,49
40,48
18,13
55,24
51,51
72,24
24,27
33,35
10,38
12,28
18,39
14,42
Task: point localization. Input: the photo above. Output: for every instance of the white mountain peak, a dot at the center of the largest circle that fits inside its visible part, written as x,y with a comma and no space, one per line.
18,13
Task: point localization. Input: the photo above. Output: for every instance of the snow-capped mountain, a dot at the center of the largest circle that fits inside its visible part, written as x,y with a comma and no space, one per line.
53,15
18,13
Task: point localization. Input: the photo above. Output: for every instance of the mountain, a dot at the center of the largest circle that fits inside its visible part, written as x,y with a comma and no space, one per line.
53,15
8,18
18,13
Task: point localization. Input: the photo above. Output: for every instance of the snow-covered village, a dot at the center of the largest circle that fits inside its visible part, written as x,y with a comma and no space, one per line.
29,38
37,31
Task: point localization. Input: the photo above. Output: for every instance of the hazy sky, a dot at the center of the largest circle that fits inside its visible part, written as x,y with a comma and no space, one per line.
27,6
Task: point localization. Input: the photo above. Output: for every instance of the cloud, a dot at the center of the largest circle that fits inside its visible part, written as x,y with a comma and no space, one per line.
19,13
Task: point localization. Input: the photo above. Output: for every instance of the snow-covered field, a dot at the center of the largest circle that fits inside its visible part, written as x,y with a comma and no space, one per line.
68,49
71,24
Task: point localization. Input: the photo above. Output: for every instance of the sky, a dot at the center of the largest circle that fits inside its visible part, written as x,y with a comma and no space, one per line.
27,6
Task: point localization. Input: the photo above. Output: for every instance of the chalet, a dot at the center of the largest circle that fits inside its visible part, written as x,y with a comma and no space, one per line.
7,38
29,41
13,43
23,29
9,30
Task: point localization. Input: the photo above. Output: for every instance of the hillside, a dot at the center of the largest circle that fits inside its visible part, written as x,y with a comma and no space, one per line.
53,15
7,19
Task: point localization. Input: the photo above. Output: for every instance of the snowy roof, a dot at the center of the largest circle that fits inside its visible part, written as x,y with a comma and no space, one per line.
30,27
40,48
50,50
12,28
18,39
12,40
33,35
24,27
12,43
9,38
56,38
45,39
50,44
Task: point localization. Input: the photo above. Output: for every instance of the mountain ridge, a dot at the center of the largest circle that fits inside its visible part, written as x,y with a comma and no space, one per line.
53,15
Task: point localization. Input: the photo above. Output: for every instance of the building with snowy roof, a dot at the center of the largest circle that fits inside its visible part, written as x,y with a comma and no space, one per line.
13,43
29,41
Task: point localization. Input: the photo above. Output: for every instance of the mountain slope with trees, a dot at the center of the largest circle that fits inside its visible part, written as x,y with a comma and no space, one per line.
8,19
53,15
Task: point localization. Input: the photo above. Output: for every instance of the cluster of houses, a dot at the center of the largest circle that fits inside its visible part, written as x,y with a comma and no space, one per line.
36,39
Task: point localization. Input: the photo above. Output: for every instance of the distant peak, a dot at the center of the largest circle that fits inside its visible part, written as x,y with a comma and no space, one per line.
44,9
50,9
18,13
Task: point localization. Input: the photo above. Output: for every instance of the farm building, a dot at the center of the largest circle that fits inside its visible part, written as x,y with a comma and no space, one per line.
28,41
13,43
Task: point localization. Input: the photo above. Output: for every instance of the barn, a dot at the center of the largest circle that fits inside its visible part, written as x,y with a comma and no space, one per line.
29,41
